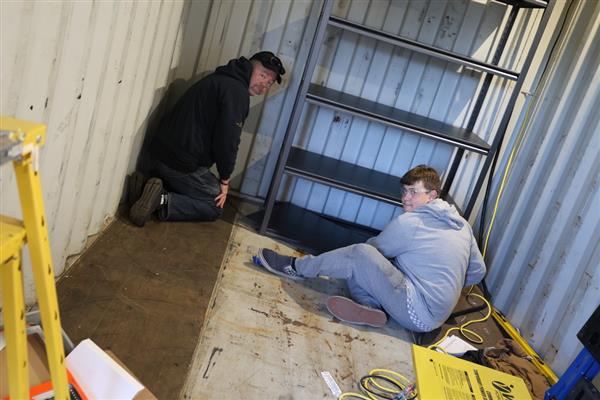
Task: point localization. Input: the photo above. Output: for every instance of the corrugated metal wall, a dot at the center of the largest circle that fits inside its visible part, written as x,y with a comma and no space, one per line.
92,72
241,28
544,251
95,73
395,77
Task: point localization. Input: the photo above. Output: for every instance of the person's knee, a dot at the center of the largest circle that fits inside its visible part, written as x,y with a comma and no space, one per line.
217,212
365,250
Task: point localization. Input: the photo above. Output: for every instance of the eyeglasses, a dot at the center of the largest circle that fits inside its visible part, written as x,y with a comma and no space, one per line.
412,191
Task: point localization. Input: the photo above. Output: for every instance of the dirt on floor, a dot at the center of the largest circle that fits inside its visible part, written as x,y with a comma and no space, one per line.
143,292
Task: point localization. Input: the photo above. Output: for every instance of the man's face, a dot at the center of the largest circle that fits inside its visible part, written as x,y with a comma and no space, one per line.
415,196
261,80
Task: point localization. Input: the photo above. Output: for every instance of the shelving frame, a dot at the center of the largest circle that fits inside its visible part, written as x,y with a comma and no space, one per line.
377,185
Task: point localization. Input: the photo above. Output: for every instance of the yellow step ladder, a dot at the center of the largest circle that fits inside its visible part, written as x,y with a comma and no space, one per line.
19,143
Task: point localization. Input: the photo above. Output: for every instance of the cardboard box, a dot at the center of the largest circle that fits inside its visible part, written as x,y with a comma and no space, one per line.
103,376
38,364
144,394
40,382
89,354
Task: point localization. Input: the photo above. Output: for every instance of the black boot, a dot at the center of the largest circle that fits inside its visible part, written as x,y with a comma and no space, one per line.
149,201
135,186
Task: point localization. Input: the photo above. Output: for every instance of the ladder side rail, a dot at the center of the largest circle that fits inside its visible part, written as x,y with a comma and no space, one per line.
11,278
30,194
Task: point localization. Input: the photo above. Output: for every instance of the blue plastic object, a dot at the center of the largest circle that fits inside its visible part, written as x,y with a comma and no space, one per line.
256,261
585,367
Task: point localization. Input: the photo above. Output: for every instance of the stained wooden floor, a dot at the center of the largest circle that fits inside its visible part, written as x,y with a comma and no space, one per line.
266,334
143,293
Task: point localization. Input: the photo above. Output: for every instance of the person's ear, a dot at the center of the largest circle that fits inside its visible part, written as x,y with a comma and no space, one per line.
433,195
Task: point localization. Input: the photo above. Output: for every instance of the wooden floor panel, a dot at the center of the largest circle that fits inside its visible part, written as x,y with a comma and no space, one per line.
143,294
268,336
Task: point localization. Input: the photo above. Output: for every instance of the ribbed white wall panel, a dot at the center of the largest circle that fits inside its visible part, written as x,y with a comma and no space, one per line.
544,250
241,28
92,72
381,72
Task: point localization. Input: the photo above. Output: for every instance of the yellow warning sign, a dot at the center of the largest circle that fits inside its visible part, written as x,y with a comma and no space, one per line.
444,377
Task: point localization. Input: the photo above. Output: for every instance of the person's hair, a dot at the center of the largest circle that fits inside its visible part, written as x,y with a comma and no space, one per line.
429,176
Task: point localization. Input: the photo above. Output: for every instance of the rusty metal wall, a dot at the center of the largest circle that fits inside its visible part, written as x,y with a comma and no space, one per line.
544,248
92,72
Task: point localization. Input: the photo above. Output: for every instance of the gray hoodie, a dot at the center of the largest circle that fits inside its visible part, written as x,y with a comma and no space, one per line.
435,248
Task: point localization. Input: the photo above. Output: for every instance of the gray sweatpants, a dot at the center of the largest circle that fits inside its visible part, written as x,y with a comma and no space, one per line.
371,278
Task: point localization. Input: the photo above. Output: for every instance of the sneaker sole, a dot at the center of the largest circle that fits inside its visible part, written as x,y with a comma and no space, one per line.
142,210
266,265
349,311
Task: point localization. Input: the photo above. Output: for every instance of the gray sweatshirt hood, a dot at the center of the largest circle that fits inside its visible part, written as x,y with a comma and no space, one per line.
443,211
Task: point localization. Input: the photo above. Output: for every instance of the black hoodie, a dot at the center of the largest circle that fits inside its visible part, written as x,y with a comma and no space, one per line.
205,125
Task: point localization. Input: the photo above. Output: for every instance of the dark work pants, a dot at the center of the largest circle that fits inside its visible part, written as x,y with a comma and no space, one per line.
191,195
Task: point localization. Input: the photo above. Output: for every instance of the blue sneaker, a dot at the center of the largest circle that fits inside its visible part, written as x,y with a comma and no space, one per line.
278,264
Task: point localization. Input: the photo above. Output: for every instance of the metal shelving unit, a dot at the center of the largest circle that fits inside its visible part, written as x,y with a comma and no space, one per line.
288,221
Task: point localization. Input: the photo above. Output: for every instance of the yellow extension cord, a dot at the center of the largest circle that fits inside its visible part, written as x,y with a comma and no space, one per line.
517,144
462,329
548,373
475,338
388,374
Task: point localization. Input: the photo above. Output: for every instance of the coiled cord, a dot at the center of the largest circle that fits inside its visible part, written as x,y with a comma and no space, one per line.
373,389
467,333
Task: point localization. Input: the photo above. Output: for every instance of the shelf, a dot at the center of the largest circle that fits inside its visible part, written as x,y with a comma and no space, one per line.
349,177
312,232
320,233
422,48
525,3
398,118
344,175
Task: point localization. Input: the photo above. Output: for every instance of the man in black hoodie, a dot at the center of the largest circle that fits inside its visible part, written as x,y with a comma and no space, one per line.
203,129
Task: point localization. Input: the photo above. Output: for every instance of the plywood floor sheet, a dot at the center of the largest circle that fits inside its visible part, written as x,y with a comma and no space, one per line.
267,337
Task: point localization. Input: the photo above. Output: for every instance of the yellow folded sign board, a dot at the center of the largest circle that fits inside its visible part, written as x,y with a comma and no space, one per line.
444,377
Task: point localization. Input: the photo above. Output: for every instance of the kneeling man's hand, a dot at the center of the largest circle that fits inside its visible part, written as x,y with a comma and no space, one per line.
220,199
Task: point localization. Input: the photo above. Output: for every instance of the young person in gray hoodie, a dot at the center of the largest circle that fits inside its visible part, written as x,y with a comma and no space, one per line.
413,271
